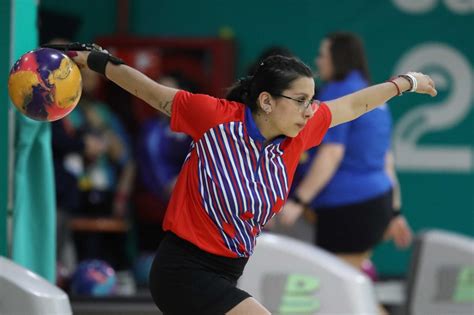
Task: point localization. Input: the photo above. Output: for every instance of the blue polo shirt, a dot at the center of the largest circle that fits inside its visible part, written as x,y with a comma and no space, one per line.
361,174
161,154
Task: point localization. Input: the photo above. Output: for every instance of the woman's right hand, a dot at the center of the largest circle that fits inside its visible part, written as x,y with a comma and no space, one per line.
399,230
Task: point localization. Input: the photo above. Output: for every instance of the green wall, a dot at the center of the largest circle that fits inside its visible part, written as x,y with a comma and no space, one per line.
4,70
431,36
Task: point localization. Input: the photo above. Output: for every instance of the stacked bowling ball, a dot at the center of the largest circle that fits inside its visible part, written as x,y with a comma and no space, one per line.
94,277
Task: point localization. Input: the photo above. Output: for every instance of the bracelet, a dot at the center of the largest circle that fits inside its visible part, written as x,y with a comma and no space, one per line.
412,80
97,61
415,82
298,200
396,213
396,85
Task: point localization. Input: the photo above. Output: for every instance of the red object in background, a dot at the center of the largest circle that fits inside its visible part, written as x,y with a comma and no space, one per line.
207,62
147,61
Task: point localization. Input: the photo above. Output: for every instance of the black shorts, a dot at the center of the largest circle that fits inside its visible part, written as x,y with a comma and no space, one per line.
186,280
354,228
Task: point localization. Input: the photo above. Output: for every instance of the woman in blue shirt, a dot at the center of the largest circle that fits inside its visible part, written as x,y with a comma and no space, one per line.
349,179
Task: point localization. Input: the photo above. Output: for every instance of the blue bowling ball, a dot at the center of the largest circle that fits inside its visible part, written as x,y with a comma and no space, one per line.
94,278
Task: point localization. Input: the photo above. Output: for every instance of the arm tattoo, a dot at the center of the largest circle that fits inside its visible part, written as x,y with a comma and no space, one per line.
165,106
366,107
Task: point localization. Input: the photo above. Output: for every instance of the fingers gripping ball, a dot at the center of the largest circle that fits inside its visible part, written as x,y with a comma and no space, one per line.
45,84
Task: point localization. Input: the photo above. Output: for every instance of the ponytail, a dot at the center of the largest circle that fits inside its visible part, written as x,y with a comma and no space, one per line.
274,75
239,92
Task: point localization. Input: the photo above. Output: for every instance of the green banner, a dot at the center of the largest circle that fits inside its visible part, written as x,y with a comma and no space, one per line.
34,213
433,138
4,69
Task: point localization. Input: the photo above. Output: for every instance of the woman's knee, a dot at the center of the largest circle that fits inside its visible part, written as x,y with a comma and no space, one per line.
249,306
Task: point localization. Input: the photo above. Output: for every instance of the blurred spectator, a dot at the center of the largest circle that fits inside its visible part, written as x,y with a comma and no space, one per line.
160,155
106,179
349,180
94,172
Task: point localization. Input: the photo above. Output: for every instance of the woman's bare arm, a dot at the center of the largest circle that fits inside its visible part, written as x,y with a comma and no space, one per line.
351,106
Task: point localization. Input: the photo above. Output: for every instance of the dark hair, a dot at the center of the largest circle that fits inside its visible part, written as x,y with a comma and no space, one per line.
347,53
274,75
268,52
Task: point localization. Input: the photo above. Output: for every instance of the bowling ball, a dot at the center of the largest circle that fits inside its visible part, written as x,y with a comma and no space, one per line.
94,278
45,84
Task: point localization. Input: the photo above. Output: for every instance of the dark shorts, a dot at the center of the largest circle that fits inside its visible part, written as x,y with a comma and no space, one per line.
354,228
187,280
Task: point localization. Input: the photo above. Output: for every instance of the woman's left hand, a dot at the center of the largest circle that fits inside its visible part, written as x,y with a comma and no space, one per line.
425,84
290,213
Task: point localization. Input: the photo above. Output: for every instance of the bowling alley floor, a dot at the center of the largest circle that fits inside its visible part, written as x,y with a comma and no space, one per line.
138,304
389,292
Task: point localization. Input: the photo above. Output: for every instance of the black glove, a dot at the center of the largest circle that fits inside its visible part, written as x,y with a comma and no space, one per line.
97,59
73,47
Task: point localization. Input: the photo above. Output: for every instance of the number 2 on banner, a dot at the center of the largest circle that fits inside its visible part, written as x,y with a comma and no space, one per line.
451,71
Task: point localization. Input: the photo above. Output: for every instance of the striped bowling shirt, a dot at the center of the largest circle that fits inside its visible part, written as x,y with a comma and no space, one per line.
231,184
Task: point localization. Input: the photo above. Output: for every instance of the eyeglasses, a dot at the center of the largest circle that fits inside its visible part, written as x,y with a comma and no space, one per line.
304,104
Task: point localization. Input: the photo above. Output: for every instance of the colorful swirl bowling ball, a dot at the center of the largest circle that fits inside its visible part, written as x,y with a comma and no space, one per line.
94,278
45,84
